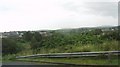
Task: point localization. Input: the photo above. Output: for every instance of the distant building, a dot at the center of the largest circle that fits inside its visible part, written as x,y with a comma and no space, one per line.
0,35
44,33
11,34
21,34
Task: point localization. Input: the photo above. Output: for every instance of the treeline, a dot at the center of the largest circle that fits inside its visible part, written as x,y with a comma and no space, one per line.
54,39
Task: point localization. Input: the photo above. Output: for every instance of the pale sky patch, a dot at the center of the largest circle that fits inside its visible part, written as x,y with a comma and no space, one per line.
18,15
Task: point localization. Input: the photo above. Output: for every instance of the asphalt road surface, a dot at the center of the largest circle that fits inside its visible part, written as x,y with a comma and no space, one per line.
33,64
29,64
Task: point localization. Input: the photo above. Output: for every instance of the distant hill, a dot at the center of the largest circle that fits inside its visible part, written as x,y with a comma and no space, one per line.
86,29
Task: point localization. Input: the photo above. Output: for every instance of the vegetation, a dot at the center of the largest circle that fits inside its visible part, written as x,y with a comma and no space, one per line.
10,46
80,60
59,41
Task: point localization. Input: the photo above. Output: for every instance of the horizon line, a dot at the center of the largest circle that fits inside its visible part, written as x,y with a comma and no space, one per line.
63,28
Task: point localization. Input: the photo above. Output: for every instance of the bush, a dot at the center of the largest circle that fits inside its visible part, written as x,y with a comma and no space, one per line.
10,46
86,48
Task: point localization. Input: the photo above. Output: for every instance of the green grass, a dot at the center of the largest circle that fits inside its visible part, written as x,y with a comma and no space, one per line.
106,46
76,60
0,58
8,58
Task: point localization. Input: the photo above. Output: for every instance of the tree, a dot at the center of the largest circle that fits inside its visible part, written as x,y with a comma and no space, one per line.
10,46
35,45
28,36
97,31
38,36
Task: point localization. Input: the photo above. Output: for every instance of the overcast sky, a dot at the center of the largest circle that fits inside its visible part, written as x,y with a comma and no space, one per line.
18,15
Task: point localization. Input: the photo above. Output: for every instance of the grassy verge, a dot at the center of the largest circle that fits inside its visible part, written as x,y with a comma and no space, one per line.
8,58
82,60
106,46
0,59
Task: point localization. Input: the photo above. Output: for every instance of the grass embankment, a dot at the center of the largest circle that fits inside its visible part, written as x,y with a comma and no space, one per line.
0,58
106,46
82,60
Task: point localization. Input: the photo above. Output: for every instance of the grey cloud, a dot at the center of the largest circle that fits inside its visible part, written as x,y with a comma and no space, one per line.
97,8
119,13
71,6
103,8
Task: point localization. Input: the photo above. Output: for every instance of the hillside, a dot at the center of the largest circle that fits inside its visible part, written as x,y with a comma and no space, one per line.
69,40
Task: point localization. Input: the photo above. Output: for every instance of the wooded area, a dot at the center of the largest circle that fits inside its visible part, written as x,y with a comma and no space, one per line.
56,41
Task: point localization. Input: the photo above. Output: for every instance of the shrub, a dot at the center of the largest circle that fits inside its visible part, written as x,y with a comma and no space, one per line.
86,48
10,46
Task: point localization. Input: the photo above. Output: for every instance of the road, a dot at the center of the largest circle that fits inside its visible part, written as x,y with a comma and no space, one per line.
27,64
32,64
